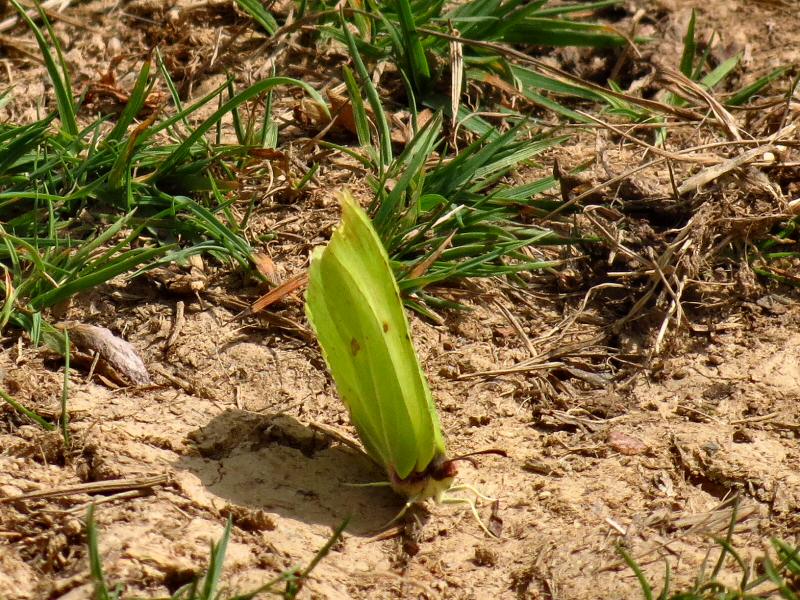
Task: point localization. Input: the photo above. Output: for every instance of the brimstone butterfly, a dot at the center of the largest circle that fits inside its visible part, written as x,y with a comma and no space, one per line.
354,306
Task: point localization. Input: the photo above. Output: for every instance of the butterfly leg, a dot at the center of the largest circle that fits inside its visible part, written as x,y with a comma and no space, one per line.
402,512
411,501
474,490
472,507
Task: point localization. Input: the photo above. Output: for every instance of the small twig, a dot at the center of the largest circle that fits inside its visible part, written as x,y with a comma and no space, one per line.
777,137
343,439
27,49
699,412
177,326
422,266
653,149
93,366
287,287
692,88
187,386
517,327
589,425
561,329
521,368
714,172
94,487
756,419
616,526
11,22
675,306
456,80
81,508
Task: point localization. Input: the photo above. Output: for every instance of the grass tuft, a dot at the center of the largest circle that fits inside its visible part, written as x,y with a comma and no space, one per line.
769,579
208,587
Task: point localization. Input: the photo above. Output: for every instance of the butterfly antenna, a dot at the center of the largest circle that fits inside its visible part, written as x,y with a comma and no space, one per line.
473,489
468,455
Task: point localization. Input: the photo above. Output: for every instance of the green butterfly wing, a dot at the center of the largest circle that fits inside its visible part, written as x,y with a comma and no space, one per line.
353,303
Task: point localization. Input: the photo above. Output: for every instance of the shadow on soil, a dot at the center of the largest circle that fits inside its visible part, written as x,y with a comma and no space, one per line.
276,464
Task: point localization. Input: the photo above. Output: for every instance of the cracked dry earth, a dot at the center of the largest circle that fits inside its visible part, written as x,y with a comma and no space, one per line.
651,465
651,460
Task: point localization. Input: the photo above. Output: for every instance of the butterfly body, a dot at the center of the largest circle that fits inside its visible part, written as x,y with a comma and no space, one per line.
437,478
354,306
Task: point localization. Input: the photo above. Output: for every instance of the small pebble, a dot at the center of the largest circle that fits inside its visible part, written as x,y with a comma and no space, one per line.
113,47
484,557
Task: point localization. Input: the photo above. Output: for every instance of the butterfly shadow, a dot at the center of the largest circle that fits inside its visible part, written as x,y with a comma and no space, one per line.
274,463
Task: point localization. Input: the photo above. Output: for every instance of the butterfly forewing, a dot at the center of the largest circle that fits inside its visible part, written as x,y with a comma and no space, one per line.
354,305
325,319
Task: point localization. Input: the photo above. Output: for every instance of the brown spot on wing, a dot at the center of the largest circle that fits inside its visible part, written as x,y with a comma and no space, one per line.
354,346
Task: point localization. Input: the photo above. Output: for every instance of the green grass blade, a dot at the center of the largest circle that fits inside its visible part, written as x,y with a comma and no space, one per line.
95,562
689,47
134,106
95,278
294,578
359,113
31,252
579,7
84,252
325,550
59,77
259,14
212,578
533,80
712,79
241,136
408,167
561,33
176,97
381,123
36,418
255,90
788,555
647,591
776,578
363,22
726,543
21,141
482,19
415,53
746,93
664,595
214,228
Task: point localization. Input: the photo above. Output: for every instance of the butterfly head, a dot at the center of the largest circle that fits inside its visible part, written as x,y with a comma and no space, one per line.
436,479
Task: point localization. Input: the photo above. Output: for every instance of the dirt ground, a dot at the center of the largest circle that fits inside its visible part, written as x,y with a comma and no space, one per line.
600,453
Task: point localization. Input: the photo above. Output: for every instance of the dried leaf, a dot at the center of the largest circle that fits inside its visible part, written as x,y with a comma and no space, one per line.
266,266
311,114
117,353
626,444
495,521
422,266
283,290
343,109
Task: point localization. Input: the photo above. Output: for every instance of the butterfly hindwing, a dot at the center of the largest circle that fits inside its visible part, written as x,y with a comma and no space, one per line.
354,305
